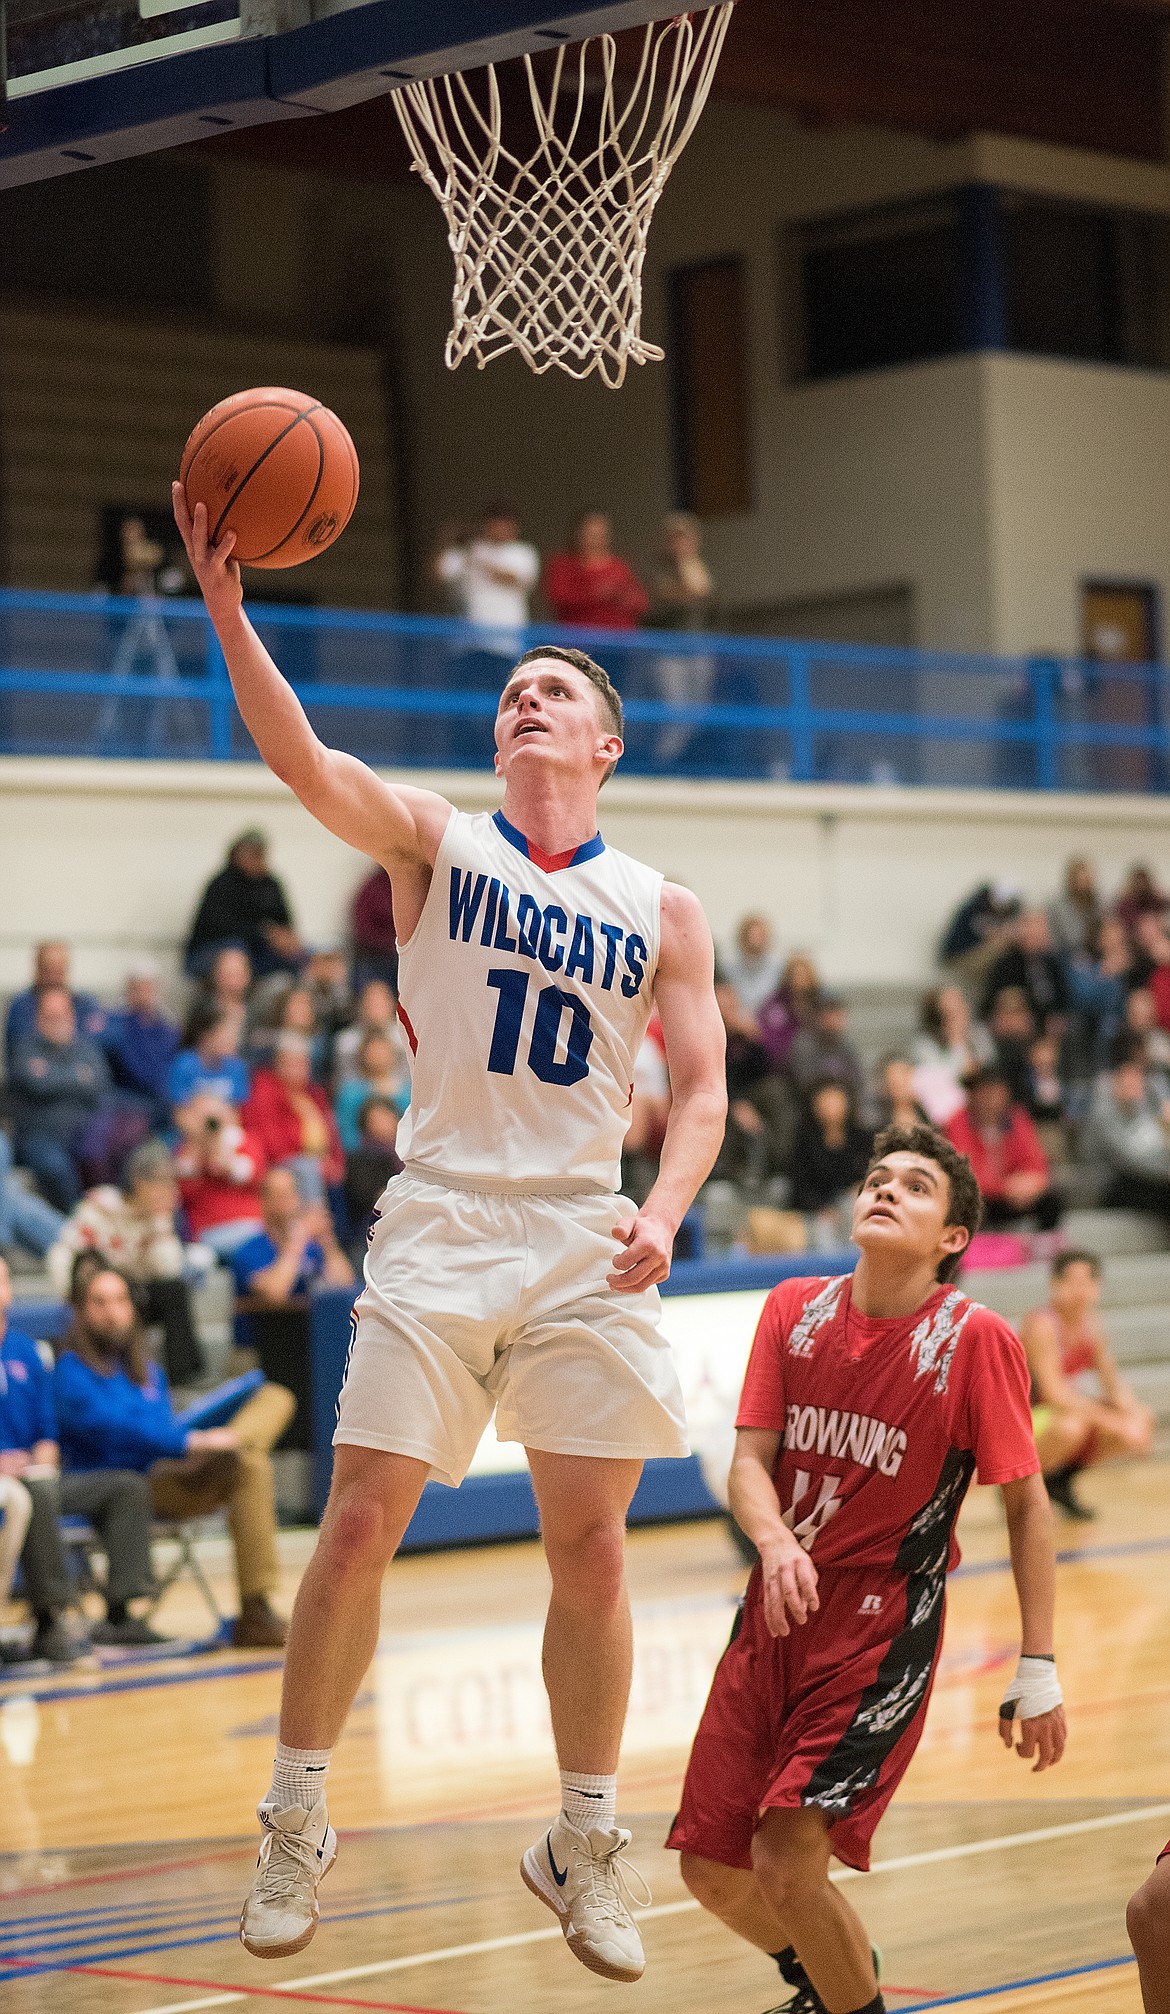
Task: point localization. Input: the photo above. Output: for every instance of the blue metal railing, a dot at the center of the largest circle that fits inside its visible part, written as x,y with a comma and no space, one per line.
97,675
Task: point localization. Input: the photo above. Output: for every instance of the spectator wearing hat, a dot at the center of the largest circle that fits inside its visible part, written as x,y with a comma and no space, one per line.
135,1228
140,1043
51,969
58,1081
245,906
1003,1147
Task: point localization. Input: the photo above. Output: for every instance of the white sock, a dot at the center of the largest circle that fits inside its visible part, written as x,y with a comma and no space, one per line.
589,1802
298,1777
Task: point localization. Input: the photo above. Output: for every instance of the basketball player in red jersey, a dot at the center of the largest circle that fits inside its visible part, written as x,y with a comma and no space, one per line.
1074,1430
869,1403
505,1275
1148,1921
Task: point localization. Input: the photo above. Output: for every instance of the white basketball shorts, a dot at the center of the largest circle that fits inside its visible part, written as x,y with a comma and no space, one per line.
475,1303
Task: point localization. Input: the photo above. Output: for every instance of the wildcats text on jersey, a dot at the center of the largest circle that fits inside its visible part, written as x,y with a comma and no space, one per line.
584,949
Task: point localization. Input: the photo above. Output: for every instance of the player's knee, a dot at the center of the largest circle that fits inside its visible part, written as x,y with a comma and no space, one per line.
1147,1916
708,1882
588,1566
788,1870
358,1534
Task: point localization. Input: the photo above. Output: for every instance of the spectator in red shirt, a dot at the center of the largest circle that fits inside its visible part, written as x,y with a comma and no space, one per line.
291,1119
590,587
1004,1149
219,1167
375,944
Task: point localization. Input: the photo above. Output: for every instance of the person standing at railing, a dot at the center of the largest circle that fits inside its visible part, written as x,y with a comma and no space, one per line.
683,599
590,586
490,579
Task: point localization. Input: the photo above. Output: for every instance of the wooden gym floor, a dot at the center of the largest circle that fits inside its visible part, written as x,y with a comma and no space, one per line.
128,1795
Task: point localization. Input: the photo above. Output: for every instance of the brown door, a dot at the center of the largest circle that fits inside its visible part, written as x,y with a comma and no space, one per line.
1119,626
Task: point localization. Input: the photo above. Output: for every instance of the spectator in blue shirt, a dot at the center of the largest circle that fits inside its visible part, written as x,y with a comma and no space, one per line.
58,1082
275,1272
140,1043
115,1412
115,1502
210,1065
51,968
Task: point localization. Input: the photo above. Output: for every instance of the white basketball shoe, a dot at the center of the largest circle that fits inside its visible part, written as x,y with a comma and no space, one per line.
297,1851
580,1877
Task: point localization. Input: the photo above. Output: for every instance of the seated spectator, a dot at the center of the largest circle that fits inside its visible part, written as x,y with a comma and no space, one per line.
1128,1135
1004,1149
327,980
284,1007
947,1046
1099,979
490,578
1152,963
219,1167
980,928
823,1051
377,1014
1140,897
373,1163
135,1229
275,1272
1012,1028
210,1065
588,586
1046,1097
115,1412
1032,964
1075,917
26,1221
375,943
896,1103
1066,1346
51,969
761,1108
829,1158
649,1112
790,1008
291,1119
227,983
755,968
1140,1020
244,906
58,1082
141,1044
381,1073
114,1501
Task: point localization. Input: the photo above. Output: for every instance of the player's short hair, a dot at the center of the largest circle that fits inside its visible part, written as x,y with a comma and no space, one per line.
965,1201
589,668
1075,1256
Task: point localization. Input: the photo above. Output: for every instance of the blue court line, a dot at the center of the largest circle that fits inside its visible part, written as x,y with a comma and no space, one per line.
116,1924
220,1937
967,1570
143,1683
1018,1985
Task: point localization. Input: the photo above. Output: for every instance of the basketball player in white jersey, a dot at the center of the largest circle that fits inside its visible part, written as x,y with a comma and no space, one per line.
504,1272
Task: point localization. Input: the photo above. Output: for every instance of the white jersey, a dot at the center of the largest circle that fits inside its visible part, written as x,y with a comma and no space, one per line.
525,991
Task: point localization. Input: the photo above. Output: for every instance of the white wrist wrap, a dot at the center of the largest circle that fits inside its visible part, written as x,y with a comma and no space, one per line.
1034,1690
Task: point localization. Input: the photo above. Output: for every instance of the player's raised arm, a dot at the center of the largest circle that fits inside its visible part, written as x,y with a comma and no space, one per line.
684,994
391,825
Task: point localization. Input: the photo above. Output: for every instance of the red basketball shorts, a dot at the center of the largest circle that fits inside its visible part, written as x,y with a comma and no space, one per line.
826,1718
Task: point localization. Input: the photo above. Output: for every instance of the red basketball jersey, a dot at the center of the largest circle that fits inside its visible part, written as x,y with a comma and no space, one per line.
884,1422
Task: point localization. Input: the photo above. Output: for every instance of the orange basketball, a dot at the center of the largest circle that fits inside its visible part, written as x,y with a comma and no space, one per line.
275,467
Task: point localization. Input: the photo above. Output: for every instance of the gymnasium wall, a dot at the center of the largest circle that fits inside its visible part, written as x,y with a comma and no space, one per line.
112,856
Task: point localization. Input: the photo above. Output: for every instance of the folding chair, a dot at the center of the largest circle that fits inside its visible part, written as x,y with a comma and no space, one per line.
85,1543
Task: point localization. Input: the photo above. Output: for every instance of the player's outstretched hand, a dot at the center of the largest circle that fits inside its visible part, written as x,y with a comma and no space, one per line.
1044,1737
645,1262
214,568
790,1586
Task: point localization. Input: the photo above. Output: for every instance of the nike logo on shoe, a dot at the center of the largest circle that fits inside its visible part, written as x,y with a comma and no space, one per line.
558,1877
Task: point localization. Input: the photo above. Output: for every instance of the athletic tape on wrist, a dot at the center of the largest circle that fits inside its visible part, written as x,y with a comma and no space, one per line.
1035,1689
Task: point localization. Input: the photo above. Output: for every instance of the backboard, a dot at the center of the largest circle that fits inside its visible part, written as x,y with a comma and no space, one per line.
91,81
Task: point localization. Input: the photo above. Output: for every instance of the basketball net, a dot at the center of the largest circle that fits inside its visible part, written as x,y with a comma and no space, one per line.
549,244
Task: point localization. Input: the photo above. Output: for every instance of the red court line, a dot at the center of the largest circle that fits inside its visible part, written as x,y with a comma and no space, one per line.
258,1992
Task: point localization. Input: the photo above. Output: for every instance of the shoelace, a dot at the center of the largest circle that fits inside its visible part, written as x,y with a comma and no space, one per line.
285,1858
803,2001
612,1897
